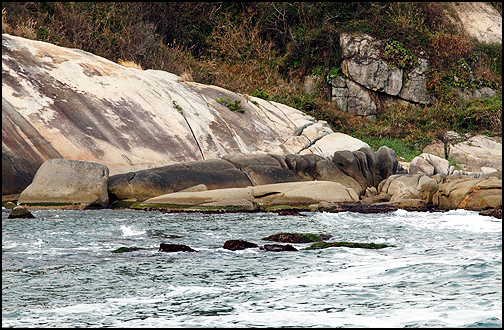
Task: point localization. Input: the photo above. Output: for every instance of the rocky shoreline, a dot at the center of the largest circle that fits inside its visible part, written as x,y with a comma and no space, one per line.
356,181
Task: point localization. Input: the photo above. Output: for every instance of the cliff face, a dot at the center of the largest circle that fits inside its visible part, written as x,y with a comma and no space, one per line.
67,103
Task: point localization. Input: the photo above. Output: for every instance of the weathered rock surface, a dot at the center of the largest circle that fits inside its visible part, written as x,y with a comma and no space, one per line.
429,164
303,193
67,103
480,20
477,152
227,197
70,182
144,184
463,192
368,75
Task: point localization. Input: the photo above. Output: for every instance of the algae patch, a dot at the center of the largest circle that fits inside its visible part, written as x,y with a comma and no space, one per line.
324,245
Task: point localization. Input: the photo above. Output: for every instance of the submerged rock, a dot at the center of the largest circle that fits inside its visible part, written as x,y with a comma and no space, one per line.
238,244
297,238
174,248
277,247
324,245
126,249
20,212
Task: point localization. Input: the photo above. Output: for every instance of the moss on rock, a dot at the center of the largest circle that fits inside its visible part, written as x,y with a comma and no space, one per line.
126,249
324,245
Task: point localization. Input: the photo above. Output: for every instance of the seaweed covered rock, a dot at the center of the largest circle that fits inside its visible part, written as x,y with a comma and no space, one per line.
325,245
126,249
277,247
238,244
174,248
20,212
297,238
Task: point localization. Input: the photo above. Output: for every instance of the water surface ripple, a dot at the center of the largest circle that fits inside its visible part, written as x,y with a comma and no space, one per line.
445,270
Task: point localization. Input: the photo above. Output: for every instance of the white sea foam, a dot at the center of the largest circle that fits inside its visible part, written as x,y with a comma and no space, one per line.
454,219
129,231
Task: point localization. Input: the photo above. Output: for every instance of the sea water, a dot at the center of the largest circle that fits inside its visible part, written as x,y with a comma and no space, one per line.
442,270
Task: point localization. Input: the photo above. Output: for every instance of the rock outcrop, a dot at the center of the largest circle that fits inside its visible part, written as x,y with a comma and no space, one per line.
19,212
367,75
63,182
289,193
67,103
370,82
477,152
463,192
357,170
142,185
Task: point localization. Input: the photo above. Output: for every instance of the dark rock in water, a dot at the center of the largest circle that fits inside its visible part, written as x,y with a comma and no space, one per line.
238,244
20,212
496,212
126,249
358,208
324,245
277,247
159,234
174,248
290,212
297,238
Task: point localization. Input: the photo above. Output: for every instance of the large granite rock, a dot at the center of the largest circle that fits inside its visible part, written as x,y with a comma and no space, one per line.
477,152
429,164
463,192
262,169
65,182
141,185
304,193
240,198
67,103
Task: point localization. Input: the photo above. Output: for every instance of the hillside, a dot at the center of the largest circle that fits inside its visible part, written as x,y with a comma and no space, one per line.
284,52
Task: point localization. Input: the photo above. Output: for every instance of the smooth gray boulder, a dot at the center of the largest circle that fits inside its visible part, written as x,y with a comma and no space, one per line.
141,185
66,182
303,193
388,161
328,171
373,164
261,168
347,162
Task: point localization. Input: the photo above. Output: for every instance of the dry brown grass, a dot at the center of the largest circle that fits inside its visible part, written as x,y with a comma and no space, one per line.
129,64
25,29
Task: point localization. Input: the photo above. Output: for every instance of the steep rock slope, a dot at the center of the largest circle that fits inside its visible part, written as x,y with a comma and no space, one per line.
67,103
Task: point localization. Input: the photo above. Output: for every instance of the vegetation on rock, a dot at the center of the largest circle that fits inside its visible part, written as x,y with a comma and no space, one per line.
297,238
324,245
126,249
19,212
